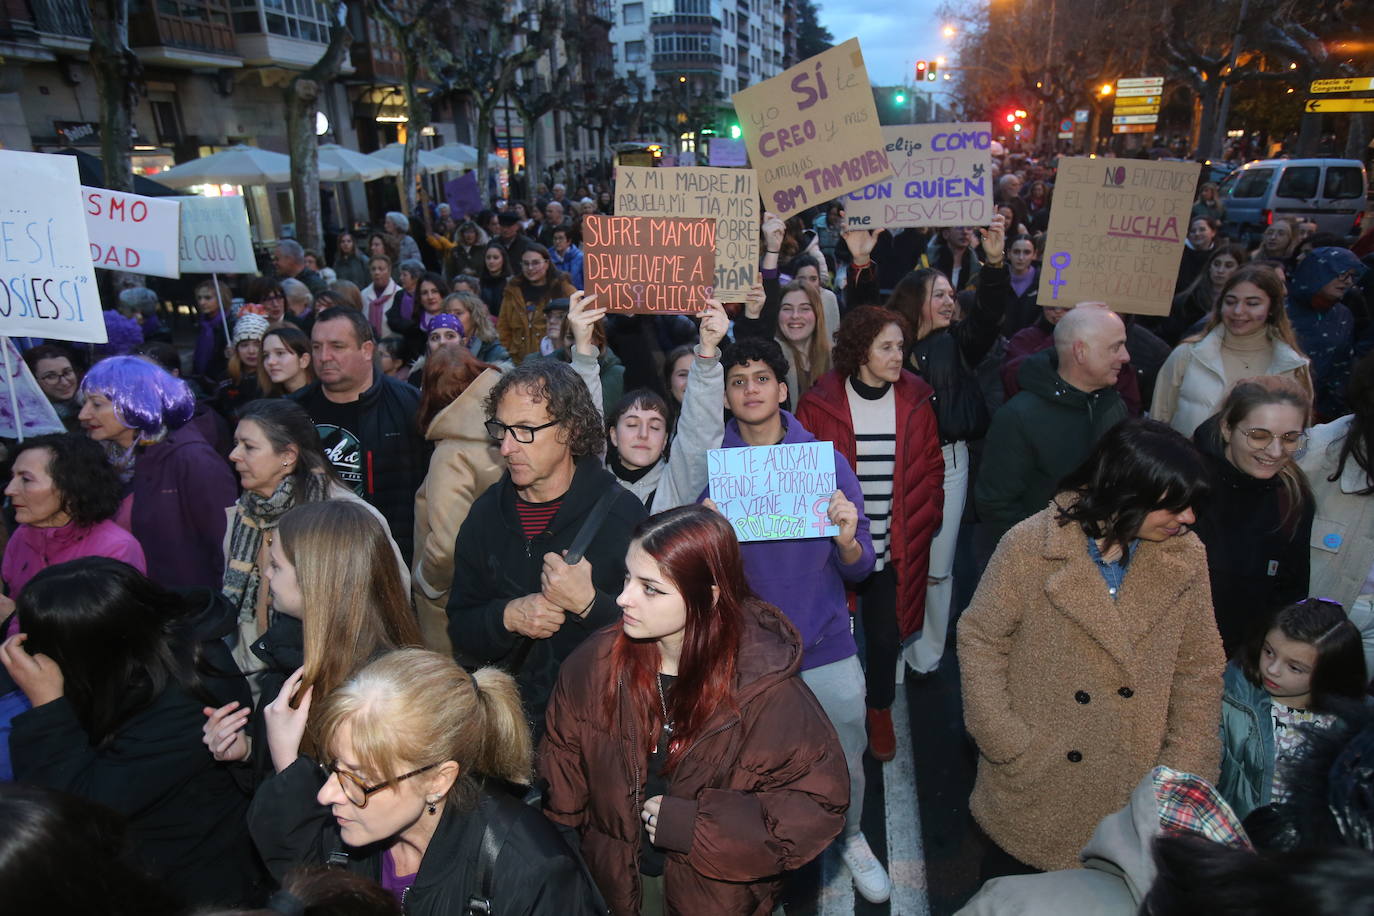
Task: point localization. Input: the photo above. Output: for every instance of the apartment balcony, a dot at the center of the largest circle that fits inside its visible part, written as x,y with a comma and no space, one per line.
187,34
675,22
743,38
688,62
58,24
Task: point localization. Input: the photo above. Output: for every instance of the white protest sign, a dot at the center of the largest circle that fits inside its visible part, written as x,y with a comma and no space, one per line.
47,281
214,236
774,492
725,151
942,176
133,233
729,196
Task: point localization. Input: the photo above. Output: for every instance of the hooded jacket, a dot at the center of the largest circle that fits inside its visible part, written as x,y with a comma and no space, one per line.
1038,437
521,324
804,577
494,564
464,465
761,792
534,874
1325,329
395,456
918,493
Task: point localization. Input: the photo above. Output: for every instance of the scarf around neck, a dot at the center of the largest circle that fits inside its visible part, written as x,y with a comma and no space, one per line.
254,516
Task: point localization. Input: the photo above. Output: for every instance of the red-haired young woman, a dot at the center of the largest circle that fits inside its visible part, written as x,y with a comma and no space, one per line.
681,743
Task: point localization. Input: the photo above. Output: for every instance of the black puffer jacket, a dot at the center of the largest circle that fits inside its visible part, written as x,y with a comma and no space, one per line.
535,874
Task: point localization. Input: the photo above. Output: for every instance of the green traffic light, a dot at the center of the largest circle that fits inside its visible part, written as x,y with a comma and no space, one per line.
734,132
899,98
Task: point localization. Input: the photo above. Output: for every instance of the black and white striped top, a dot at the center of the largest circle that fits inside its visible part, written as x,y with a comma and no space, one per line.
874,411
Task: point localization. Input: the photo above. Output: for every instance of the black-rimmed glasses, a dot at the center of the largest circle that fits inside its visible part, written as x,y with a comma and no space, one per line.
356,791
523,434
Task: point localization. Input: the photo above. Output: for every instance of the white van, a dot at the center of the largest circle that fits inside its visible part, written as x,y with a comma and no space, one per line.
1329,192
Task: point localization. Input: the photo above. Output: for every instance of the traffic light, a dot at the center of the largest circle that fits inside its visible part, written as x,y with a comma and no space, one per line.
930,71
921,68
899,98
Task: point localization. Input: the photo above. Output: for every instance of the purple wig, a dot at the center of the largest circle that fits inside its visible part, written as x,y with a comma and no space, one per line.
147,398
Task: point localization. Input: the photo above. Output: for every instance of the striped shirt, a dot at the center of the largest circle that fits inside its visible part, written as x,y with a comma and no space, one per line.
535,517
874,412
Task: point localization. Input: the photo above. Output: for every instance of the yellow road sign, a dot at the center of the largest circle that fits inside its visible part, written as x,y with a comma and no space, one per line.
1340,105
1135,109
1133,128
1353,84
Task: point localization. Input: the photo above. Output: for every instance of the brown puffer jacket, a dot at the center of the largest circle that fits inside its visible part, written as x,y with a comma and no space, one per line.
763,791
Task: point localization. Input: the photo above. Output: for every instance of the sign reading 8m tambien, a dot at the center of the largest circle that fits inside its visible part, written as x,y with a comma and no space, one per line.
812,130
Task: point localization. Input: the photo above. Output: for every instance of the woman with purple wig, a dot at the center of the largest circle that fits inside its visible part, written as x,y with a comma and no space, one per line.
176,485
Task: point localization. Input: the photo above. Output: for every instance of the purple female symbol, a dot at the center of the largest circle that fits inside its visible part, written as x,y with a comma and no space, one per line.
1060,261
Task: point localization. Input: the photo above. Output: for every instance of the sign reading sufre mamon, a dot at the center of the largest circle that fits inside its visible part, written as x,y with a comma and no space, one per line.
774,492
812,130
1116,233
47,281
728,196
941,176
649,265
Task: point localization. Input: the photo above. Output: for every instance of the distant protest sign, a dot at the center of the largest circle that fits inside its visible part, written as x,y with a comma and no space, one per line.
138,235
812,130
649,265
47,281
1116,233
728,196
774,492
727,151
941,176
214,236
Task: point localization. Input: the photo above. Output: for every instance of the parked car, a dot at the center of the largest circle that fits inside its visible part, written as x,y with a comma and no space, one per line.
1329,192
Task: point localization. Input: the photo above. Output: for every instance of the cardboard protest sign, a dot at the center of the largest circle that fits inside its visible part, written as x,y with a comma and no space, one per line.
36,413
47,281
649,265
812,130
136,234
214,236
774,492
728,196
941,176
1116,233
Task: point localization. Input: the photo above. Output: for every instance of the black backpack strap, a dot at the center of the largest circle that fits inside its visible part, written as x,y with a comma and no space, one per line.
494,833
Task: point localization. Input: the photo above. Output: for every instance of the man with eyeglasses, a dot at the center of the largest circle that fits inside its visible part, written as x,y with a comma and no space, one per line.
52,367
517,600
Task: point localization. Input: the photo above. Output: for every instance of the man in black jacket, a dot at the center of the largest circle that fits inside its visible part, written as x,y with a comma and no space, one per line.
515,601
366,421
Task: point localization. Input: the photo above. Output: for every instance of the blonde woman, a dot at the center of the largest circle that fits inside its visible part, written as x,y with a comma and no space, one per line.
481,334
1248,334
405,790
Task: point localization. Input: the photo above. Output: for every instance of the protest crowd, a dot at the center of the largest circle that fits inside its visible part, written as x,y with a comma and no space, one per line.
421,577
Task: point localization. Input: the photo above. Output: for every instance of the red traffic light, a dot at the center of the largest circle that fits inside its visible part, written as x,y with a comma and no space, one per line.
920,66
1011,118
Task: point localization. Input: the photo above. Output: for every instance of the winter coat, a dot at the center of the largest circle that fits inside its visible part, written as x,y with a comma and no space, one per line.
534,874
611,374
1040,336
353,268
375,305
1068,690
1023,310
804,576
1257,563
395,457
179,491
1247,743
521,324
761,792
464,465
493,564
1342,543
918,493
1325,330
31,550
185,811
1037,437
1192,384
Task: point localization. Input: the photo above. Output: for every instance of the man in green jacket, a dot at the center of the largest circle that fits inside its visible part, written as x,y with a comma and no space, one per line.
1067,401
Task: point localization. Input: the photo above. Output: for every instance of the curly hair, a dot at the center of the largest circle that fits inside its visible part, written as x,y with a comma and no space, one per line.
565,397
857,332
87,485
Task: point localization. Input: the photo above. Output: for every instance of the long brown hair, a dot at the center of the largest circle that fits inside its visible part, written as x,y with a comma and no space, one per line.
696,549
449,371
817,358
1276,323
1259,391
354,603
295,340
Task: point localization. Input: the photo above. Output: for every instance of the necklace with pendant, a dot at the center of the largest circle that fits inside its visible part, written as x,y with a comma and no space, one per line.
663,703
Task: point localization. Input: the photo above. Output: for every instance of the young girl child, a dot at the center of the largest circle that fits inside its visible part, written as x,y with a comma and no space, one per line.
1288,675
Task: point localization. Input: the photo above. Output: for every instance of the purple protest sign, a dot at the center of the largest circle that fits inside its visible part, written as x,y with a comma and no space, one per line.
463,198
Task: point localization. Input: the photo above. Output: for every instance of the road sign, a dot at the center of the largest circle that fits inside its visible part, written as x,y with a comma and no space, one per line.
1133,128
1142,82
1080,115
1066,125
1141,92
1354,84
1136,109
1134,119
1066,135
1340,105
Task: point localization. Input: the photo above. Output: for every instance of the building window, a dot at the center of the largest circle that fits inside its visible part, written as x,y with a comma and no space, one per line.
307,20
634,13
165,122
634,52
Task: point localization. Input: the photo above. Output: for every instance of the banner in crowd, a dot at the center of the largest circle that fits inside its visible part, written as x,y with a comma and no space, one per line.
47,280
132,233
728,196
214,236
36,413
774,492
725,151
1116,233
812,130
649,265
941,176
463,197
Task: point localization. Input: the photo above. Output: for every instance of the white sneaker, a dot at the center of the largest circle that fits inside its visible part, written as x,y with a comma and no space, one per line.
870,878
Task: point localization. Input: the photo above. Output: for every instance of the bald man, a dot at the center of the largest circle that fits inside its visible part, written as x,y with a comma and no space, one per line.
1067,400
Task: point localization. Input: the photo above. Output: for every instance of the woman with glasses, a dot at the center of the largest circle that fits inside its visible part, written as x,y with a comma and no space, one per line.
1248,334
521,323
58,377
406,789
1259,520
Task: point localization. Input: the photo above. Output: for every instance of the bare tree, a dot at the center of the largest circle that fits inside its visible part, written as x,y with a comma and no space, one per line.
414,41
119,82
302,98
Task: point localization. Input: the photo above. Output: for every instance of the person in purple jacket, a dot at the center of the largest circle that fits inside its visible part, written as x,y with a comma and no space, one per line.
806,580
177,486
